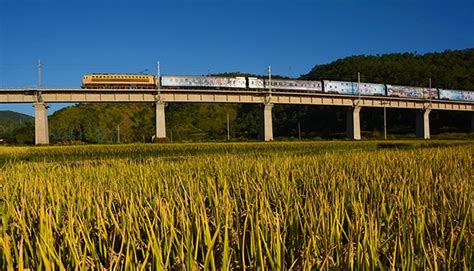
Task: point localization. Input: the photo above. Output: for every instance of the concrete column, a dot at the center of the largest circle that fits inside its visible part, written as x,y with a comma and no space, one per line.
472,122
266,126
160,125
423,124
353,123
41,124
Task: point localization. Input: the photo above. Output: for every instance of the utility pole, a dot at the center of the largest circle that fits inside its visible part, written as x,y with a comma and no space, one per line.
158,75
118,133
39,73
358,83
299,130
384,122
429,92
384,103
228,127
270,80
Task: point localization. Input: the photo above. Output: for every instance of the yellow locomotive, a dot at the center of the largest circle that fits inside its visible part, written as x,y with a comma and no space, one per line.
118,81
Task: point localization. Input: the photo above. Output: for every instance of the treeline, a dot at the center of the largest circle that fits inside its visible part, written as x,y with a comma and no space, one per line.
110,123
16,128
449,69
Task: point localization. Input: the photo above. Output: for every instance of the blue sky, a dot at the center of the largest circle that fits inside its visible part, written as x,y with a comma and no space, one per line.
210,36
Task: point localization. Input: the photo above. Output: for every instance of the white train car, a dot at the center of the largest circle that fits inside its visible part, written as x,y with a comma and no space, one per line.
456,95
289,85
256,83
203,81
342,87
412,92
294,85
370,89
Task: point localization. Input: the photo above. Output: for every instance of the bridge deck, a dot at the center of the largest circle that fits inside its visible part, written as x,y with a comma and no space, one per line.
221,96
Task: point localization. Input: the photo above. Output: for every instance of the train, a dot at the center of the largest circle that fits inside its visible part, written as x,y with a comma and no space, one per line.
146,81
118,81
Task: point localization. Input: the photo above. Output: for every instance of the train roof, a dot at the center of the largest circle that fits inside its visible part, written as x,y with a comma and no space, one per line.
118,74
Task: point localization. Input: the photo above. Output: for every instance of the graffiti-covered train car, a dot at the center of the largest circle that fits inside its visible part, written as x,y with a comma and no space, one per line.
203,81
289,85
353,88
456,95
412,92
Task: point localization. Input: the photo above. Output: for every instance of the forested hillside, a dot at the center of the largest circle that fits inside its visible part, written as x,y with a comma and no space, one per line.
109,123
450,69
16,127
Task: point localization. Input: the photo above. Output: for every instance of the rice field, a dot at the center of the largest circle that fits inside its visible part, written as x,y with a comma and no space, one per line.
246,206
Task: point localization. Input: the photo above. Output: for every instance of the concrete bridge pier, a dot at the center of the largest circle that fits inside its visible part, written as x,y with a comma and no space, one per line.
423,123
160,124
472,122
353,123
41,123
266,125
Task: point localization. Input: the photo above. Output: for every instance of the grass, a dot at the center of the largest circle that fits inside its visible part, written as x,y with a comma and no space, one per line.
311,205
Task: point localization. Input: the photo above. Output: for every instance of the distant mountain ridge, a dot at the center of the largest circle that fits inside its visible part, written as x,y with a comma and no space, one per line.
16,127
8,116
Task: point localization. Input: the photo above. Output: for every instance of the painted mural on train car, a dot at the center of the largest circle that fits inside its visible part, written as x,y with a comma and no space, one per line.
294,85
369,89
412,92
255,82
343,87
457,95
203,81
340,87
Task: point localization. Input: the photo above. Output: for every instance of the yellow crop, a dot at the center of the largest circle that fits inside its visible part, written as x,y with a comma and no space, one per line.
353,205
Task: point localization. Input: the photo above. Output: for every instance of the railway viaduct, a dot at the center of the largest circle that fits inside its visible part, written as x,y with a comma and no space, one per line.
41,97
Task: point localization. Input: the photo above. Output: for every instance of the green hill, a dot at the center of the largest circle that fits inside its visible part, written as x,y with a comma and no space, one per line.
16,127
13,118
449,69
135,122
